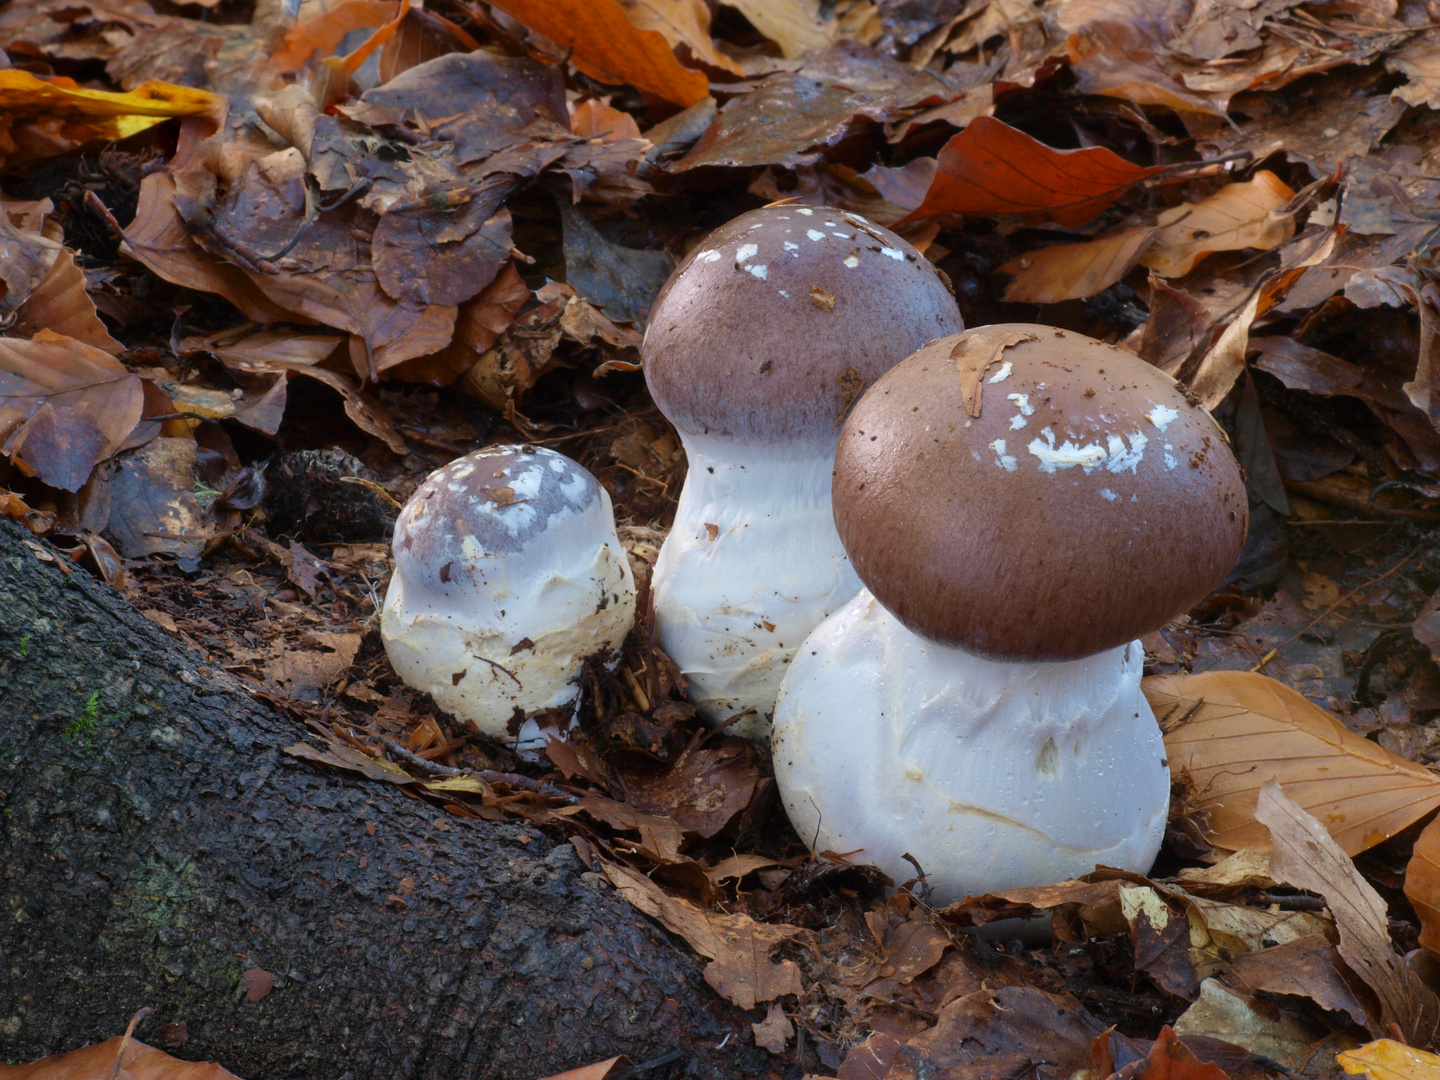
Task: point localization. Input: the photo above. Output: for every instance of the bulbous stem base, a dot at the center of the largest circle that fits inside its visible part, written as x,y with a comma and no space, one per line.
993,775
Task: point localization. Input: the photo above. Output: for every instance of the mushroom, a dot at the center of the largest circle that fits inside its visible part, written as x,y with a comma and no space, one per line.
508,576
757,346
1021,504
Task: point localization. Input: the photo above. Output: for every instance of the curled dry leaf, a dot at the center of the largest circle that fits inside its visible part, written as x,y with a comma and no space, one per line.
60,304
1075,271
991,168
1303,854
1248,215
1231,731
608,46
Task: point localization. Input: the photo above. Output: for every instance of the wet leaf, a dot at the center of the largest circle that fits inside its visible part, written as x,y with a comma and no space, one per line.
153,508
608,46
139,1062
1304,855
1171,1059
1075,271
1231,731
991,168
445,256
1247,215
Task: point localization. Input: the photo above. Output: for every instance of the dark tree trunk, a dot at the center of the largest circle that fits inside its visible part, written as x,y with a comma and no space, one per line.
155,843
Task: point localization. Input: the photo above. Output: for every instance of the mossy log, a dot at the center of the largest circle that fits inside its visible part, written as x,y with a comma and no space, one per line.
155,843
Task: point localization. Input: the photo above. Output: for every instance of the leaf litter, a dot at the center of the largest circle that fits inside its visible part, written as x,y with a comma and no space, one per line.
264,276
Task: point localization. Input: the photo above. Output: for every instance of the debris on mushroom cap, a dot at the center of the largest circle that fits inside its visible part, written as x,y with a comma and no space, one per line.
1078,502
508,576
991,775
769,327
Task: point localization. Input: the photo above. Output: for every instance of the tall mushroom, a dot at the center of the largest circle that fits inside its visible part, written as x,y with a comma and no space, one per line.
508,576
760,341
1021,503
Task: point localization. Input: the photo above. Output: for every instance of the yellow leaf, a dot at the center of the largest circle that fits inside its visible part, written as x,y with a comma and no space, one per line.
681,22
26,97
466,785
1075,271
1386,1059
1233,730
1237,216
795,25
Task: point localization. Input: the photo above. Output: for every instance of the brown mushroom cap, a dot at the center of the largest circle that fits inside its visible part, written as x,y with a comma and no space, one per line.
1086,504
769,330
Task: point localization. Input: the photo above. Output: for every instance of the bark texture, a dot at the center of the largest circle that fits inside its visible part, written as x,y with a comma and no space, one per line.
155,844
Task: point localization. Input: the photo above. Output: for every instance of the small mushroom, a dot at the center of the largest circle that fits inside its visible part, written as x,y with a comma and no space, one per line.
757,346
508,576
978,705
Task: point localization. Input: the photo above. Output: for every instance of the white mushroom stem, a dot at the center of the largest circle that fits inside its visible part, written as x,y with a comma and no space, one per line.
751,566
992,775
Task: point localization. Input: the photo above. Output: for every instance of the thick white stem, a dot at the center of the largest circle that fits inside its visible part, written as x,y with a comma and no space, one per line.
751,566
992,775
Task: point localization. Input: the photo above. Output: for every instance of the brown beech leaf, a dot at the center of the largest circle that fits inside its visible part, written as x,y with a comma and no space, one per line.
323,34
1304,855
478,325
1422,886
61,304
1231,731
608,46
1238,216
975,354
135,1060
1075,271
774,1031
991,168
738,947
600,1070
81,404
681,22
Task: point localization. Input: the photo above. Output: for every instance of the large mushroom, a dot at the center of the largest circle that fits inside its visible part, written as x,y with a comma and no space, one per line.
760,341
1021,504
508,576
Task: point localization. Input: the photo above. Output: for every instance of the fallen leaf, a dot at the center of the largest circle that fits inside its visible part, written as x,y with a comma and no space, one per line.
136,1061
1231,731
601,1070
1248,215
787,120
604,44
774,1031
974,355
1171,1059
1307,967
681,22
153,508
81,404
991,168
1075,271
1422,885
60,304
797,26
102,114
623,282
1386,1059
738,947
323,34
1304,855
256,984
595,120
1176,325
30,255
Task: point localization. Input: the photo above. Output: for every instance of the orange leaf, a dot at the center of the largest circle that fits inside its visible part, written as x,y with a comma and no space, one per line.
1422,886
136,1061
324,33
609,47
1171,1059
1246,728
1075,271
991,168
1386,1059
1237,216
